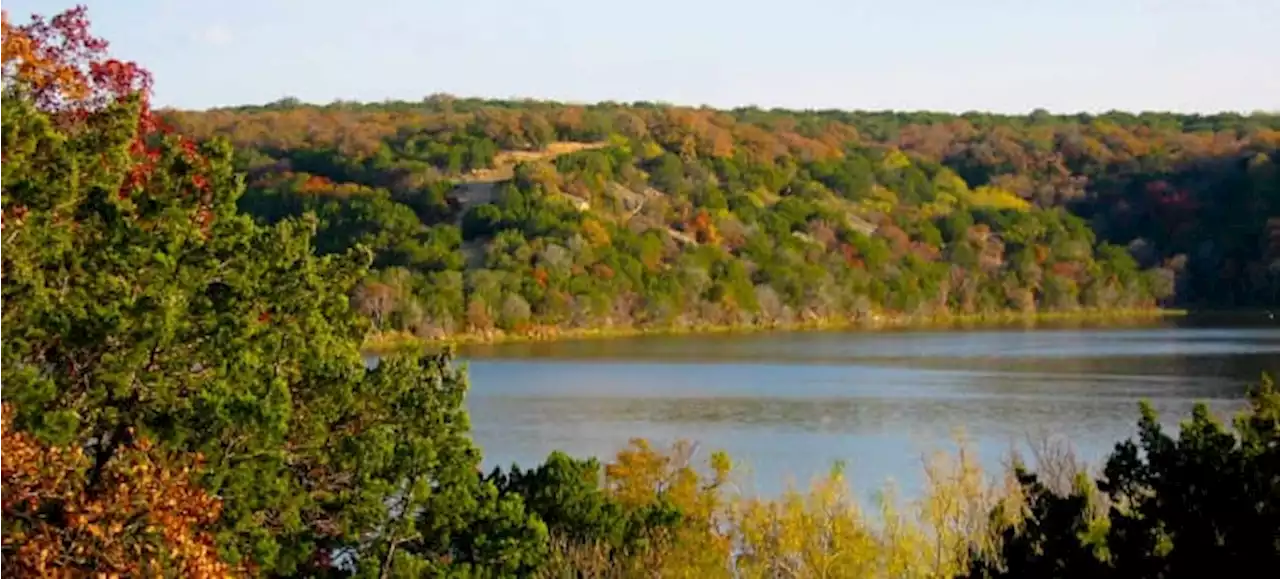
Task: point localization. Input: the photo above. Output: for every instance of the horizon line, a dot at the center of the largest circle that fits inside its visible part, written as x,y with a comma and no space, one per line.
291,101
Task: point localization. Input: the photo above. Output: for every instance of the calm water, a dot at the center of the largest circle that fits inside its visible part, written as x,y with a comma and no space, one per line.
787,406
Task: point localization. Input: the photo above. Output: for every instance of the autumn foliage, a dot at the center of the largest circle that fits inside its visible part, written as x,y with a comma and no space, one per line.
685,519
138,510
141,516
142,335
704,230
66,72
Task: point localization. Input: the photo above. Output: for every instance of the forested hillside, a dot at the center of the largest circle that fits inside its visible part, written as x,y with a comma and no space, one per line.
531,215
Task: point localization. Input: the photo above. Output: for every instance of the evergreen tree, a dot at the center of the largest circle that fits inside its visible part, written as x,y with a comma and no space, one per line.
139,304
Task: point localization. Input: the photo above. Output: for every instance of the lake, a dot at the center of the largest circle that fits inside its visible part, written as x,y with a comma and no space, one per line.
787,406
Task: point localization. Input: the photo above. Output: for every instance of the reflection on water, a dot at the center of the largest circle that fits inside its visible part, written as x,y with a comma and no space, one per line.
788,405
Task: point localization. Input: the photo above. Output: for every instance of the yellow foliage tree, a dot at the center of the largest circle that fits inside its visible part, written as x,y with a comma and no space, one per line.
595,233
821,532
643,476
996,198
896,159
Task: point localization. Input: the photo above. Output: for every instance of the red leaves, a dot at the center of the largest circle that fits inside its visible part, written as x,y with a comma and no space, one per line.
1174,207
851,256
188,149
1169,200
116,78
64,67
66,72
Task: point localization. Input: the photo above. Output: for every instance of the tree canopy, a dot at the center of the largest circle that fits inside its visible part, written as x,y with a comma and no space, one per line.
649,215
148,321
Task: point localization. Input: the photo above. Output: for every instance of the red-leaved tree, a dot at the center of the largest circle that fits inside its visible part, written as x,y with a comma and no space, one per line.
67,73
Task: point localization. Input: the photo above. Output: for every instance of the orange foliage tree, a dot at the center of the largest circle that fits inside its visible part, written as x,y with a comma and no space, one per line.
145,517
704,230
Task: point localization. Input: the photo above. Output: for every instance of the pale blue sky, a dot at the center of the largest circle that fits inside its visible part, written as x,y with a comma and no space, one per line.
955,55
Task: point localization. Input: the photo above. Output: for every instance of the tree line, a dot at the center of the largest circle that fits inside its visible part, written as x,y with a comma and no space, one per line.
680,217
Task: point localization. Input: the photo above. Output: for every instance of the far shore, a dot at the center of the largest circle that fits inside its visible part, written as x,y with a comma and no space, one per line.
385,342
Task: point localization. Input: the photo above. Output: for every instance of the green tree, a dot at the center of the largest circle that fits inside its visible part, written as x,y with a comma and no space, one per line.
1180,507
137,302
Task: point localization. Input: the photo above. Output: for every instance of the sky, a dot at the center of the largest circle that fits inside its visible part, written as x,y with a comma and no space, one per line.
1008,56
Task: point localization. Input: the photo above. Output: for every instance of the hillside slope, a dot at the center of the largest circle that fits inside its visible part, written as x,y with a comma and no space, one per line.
517,215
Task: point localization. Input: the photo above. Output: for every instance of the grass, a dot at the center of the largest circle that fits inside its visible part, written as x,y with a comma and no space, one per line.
389,341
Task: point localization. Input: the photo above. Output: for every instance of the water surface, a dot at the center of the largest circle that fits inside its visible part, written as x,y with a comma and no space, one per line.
787,406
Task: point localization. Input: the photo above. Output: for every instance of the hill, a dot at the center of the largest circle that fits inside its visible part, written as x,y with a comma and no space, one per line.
535,216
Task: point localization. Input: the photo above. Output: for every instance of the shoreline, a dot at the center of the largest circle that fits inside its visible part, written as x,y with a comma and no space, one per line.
393,341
